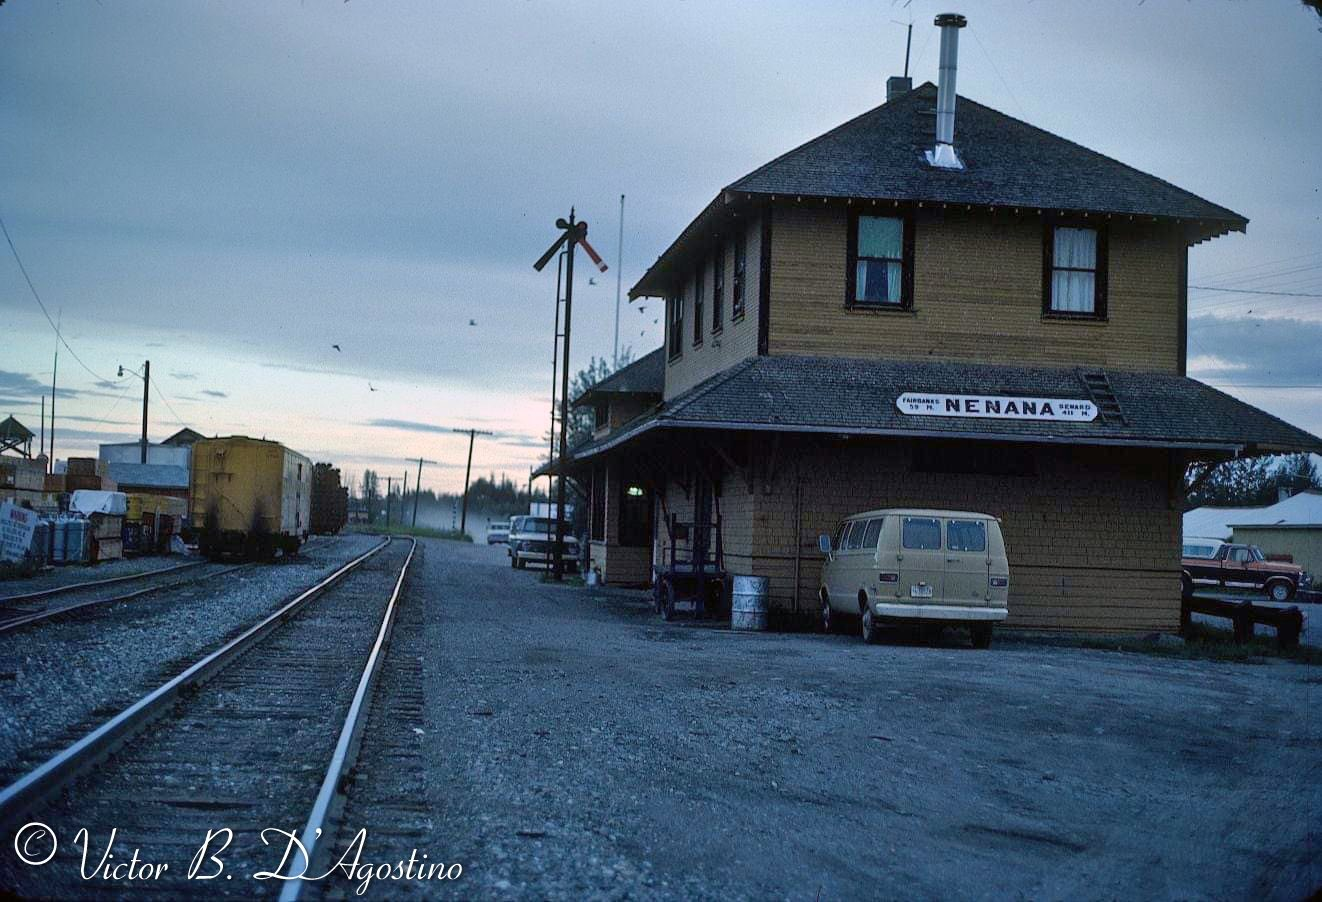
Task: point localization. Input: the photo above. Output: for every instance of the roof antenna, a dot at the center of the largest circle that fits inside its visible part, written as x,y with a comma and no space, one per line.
898,86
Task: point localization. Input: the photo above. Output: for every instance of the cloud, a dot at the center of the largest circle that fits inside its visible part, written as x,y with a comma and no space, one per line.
1256,352
22,384
183,376
211,392
514,439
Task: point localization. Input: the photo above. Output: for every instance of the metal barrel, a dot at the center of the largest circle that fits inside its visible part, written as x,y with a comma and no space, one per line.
748,603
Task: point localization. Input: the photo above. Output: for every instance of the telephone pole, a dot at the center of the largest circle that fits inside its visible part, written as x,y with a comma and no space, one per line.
389,480
145,376
472,434
417,486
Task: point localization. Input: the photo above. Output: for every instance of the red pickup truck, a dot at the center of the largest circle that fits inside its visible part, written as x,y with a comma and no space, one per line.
1239,567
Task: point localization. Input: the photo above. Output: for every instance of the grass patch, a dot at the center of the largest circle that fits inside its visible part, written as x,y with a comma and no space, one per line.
419,532
1207,643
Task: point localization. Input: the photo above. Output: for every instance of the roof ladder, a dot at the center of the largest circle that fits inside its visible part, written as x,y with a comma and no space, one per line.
1100,392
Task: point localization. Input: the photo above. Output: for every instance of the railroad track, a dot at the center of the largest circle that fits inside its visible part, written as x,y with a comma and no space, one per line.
259,734
21,610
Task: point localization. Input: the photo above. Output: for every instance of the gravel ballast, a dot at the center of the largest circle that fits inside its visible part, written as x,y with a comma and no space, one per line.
55,675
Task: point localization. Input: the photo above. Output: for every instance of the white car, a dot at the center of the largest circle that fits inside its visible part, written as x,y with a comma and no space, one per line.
532,539
498,533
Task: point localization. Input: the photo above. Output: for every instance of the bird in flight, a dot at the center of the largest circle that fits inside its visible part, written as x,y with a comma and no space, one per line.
371,387
472,322
337,347
591,281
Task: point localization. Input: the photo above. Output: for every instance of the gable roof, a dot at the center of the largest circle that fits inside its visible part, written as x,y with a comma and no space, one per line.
858,397
645,376
1008,163
11,428
1301,510
184,436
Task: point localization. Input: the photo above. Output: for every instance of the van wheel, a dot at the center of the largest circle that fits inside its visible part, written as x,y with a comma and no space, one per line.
1280,590
981,634
828,622
871,629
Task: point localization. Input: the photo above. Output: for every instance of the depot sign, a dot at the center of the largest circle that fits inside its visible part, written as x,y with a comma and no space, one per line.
996,407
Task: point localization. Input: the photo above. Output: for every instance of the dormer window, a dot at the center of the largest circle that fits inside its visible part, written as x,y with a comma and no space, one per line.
1074,272
676,337
880,262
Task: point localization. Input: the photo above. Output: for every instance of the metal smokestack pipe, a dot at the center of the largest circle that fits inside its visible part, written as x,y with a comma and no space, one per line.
943,155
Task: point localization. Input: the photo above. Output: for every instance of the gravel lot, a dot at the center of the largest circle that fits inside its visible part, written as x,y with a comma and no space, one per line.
577,747
54,676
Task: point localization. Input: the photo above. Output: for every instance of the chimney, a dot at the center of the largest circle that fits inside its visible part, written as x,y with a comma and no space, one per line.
943,156
898,86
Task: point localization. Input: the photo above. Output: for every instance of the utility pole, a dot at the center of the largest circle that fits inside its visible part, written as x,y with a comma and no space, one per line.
573,234
619,275
42,450
417,488
145,376
389,481
472,434
146,381
54,369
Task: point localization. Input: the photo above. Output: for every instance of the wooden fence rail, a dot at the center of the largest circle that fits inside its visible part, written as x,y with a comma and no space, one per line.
1288,622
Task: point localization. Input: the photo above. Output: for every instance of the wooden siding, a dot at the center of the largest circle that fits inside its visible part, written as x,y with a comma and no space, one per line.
1093,538
977,294
619,564
737,339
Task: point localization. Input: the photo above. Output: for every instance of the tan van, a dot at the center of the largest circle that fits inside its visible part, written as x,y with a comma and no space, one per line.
945,568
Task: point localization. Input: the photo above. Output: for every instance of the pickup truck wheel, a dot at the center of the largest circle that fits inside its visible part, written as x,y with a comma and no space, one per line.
1186,588
981,634
1281,590
871,629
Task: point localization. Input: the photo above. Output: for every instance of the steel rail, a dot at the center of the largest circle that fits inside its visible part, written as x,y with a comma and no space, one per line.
346,746
65,765
60,590
50,613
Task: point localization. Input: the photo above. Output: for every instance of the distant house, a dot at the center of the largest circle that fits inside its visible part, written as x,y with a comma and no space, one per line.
925,308
1292,526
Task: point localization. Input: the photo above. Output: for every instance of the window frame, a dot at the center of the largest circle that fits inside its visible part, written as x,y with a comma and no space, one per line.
906,304
718,291
675,325
739,278
699,292
1099,312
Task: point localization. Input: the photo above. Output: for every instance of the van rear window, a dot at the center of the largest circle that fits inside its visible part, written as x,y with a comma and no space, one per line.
966,535
921,533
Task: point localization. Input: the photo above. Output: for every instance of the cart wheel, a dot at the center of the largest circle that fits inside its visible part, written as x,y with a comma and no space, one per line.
668,603
658,595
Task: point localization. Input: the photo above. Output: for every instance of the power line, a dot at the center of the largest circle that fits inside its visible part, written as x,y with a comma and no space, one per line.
160,394
33,288
1279,294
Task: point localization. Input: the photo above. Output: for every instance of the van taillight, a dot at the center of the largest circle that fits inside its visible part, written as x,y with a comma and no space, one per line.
999,582
888,577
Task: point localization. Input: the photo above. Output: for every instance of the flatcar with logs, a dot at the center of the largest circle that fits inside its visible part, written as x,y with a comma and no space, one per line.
250,497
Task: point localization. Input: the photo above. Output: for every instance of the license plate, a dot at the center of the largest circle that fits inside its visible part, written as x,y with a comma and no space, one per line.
920,591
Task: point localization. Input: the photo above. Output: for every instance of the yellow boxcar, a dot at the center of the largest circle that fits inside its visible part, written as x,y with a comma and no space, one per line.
249,496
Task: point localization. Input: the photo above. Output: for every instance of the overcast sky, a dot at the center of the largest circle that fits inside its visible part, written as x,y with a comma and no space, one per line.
228,189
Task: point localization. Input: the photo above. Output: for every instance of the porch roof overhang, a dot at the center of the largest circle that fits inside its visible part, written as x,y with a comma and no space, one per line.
855,397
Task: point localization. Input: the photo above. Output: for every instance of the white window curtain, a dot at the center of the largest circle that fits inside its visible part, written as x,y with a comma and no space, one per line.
880,252
1074,273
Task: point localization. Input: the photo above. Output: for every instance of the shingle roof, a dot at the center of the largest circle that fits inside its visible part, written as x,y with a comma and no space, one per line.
857,396
1007,162
11,428
645,376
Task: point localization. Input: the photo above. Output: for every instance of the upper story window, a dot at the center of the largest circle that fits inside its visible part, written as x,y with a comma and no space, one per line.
699,289
1074,272
600,415
676,338
737,288
718,290
881,262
